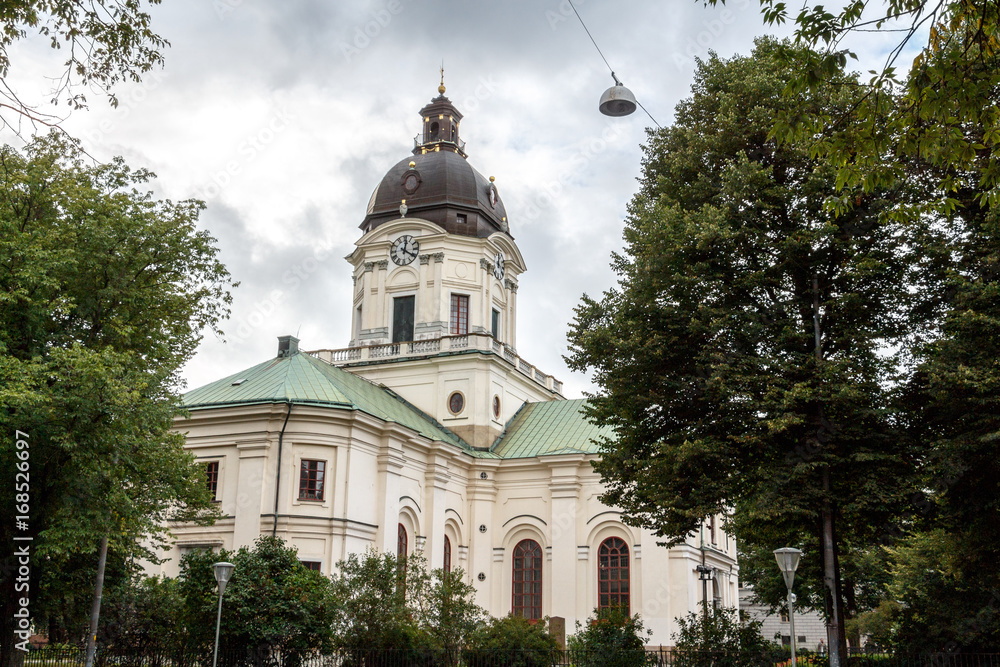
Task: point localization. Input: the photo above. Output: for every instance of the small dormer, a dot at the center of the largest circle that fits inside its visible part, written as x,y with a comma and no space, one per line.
440,126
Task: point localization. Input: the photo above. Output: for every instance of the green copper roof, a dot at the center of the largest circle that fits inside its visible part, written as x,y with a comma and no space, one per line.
301,378
553,427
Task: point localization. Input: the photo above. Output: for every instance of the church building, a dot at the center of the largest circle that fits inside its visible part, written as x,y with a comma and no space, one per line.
429,432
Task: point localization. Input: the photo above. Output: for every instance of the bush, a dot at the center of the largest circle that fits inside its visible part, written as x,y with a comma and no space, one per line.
416,618
512,641
610,639
720,639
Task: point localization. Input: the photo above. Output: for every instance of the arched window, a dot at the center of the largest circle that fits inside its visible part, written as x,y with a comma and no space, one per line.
613,575
447,554
401,544
527,580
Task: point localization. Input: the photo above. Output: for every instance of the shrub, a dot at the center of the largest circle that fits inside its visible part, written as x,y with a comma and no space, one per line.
512,641
720,639
610,639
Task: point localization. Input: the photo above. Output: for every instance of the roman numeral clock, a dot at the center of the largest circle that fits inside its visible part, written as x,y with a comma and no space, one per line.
404,250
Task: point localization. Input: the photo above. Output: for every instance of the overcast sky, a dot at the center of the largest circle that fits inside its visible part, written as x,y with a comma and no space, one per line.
284,117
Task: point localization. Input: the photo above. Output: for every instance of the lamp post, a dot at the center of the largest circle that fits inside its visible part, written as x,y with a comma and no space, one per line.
222,573
705,573
788,562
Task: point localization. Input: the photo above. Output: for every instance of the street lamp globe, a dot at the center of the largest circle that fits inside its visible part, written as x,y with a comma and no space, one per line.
788,562
223,571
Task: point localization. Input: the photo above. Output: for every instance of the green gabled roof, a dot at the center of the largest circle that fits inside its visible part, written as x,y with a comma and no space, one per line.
301,378
545,429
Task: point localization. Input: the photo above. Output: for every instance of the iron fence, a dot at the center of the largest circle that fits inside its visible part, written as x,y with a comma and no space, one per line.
663,657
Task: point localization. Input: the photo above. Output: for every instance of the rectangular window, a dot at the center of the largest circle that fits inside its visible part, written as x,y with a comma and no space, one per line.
402,319
357,327
461,218
311,480
212,477
313,565
496,324
459,315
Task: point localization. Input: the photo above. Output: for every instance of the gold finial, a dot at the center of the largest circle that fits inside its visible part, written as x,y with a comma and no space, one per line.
412,164
492,178
441,87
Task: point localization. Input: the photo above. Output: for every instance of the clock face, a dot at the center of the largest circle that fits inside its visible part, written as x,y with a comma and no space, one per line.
404,250
499,266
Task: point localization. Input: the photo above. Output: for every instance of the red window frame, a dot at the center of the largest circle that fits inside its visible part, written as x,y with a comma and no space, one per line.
613,575
312,478
447,554
459,314
212,477
313,565
526,580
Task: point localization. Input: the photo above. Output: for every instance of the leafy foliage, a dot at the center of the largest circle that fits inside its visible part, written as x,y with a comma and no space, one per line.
941,110
273,604
749,355
103,294
720,639
511,641
611,638
105,41
416,614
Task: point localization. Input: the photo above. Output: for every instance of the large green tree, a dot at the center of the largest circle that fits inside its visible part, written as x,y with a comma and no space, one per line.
748,355
104,292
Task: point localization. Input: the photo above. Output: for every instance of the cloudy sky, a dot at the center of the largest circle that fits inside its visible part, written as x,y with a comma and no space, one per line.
284,116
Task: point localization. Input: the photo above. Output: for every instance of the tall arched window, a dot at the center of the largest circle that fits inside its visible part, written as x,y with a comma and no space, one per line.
447,554
401,545
401,542
527,580
613,575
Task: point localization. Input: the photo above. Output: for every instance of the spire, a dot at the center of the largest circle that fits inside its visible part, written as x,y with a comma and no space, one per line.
440,131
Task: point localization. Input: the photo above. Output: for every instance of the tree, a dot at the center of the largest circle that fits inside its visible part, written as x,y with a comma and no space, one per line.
383,606
944,111
105,41
512,641
721,639
273,604
611,638
748,357
104,292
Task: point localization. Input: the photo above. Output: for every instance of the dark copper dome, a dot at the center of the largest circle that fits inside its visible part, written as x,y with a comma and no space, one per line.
438,183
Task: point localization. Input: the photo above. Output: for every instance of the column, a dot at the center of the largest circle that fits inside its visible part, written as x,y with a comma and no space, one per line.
482,495
250,502
390,465
562,589
435,482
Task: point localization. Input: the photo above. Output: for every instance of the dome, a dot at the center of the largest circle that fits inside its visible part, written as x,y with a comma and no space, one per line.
438,183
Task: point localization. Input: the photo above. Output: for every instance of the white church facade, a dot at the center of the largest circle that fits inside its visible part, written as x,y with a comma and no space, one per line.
429,433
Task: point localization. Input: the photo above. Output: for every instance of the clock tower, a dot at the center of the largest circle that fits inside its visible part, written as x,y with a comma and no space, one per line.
435,290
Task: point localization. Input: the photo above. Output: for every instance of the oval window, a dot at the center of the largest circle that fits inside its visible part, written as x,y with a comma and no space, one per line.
496,407
456,402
